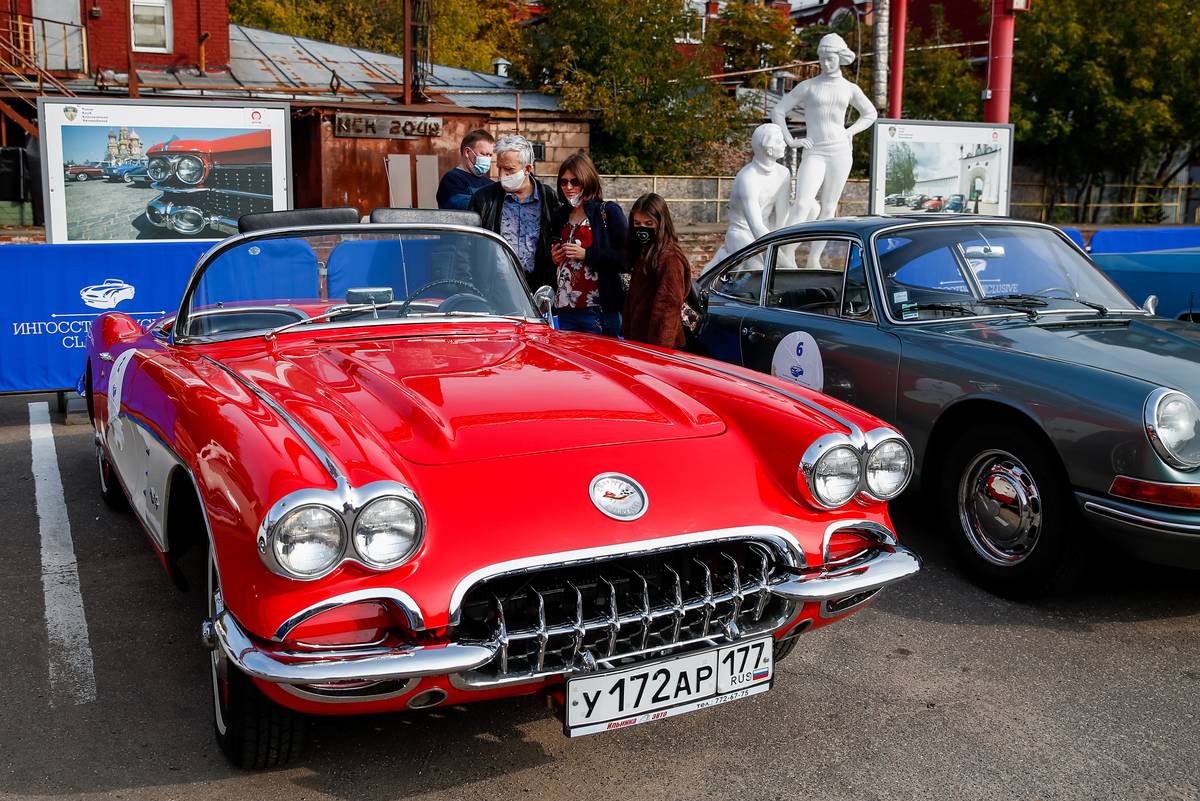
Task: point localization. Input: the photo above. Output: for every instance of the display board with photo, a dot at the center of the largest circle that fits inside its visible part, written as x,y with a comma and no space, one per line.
926,167
127,171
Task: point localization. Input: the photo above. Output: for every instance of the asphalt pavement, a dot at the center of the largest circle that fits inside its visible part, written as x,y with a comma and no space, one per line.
937,691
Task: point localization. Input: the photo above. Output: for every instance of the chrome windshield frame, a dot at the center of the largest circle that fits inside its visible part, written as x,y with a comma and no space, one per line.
183,315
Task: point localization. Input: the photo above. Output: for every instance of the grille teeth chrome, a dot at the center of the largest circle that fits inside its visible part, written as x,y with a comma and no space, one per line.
581,616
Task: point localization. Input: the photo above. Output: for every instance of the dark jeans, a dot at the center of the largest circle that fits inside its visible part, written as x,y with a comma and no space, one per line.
590,321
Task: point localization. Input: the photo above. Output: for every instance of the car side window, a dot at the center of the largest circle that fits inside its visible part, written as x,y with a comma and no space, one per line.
819,276
743,280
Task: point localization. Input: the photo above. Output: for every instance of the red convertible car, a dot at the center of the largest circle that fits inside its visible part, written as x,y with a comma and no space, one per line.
410,491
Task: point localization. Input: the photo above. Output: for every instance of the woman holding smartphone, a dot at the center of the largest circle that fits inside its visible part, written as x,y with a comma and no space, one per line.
589,252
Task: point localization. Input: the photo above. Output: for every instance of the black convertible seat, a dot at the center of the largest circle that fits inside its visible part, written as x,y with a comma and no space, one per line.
446,216
295,217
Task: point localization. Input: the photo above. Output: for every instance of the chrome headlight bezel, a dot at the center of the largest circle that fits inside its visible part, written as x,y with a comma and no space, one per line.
160,168
418,534
1154,403
337,552
876,440
814,456
347,503
200,165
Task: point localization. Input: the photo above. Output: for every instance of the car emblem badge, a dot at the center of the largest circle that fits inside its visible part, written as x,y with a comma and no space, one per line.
618,496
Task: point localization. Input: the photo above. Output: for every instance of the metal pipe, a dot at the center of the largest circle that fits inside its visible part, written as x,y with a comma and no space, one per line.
880,82
998,94
899,14
408,53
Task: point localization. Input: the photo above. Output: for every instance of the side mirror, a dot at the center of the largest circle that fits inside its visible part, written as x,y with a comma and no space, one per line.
1150,304
543,301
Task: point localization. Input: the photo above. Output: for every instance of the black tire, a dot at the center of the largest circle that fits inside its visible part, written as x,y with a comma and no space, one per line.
81,177
252,730
110,487
784,649
1005,503
127,177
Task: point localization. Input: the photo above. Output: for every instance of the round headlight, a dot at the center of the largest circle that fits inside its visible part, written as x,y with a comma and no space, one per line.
835,476
159,169
1173,424
387,532
889,466
190,170
309,540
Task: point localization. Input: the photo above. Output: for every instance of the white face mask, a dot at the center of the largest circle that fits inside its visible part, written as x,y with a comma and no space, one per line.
575,200
512,183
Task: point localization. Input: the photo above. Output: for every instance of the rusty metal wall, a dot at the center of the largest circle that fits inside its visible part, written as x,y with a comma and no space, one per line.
331,170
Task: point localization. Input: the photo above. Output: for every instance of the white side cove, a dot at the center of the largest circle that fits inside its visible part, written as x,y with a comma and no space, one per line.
72,675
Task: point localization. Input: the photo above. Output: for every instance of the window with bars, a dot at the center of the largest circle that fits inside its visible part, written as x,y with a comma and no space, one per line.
151,25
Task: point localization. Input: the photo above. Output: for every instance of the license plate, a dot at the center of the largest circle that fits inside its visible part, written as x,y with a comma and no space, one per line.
668,687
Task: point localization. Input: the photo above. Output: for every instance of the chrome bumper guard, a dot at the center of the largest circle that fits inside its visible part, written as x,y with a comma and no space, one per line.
189,220
886,563
326,667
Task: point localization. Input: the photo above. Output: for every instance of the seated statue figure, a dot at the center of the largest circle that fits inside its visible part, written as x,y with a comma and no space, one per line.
758,202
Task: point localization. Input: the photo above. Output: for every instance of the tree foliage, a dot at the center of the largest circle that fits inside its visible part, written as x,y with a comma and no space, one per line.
752,36
901,174
369,24
472,33
618,62
1107,90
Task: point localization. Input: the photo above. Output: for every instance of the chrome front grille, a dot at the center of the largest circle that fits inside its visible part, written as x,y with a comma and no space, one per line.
613,611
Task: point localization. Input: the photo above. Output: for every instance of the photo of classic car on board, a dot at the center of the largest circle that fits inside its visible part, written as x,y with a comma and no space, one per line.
124,183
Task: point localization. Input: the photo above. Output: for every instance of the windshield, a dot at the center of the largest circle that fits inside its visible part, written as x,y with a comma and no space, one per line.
360,274
934,272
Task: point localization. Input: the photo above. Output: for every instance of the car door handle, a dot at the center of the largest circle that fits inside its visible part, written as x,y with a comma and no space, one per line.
751,333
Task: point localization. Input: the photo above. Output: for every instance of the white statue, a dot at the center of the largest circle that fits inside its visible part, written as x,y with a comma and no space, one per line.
758,202
826,160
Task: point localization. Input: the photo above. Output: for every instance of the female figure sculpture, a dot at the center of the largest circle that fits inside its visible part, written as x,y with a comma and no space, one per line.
826,160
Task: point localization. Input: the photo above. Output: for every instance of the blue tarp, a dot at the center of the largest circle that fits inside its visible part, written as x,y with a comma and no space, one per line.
54,292
1173,276
1145,240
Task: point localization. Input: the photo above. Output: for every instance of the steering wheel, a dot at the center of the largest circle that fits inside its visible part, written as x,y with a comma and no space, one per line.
416,293
466,301
1048,290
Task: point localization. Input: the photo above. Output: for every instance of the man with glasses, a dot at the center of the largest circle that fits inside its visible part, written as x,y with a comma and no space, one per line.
521,209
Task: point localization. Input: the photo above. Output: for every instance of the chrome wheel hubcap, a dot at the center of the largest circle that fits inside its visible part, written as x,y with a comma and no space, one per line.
1000,508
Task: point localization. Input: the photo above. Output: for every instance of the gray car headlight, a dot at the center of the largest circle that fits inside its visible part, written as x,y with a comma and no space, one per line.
190,170
834,477
388,531
309,541
889,466
1173,426
159,169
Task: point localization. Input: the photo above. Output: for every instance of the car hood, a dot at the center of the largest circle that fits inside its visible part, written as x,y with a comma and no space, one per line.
1162,352
445,399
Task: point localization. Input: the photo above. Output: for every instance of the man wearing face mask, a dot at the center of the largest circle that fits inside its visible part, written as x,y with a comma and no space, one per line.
471,174
521,209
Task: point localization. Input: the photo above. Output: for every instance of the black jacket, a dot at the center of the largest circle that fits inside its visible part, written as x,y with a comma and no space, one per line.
608,255
488,202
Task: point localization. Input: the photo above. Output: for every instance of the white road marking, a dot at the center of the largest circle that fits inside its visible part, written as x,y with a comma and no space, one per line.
72,676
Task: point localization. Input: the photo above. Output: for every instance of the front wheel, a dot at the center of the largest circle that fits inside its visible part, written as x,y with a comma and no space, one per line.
127,177
252,730
81,177
1009,513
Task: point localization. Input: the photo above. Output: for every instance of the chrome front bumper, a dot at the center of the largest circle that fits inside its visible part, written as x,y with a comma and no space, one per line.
281,666
185,219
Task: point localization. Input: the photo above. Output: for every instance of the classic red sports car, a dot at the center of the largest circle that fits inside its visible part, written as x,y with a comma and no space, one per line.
409,490
83,172
208,184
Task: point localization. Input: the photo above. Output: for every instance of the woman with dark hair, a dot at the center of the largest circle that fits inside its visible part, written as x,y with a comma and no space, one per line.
661,276
588,253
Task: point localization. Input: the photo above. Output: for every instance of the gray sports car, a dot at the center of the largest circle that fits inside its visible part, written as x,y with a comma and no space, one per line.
1046,408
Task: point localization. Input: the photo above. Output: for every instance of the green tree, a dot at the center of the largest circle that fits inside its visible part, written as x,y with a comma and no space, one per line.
619,63
939,84
471,33
1106,91
901,169
752,36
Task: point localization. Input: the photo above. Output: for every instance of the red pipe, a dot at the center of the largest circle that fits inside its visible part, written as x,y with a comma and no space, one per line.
899,12
1000,60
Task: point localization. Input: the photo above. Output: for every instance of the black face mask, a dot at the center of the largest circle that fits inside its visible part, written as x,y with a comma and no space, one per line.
643,236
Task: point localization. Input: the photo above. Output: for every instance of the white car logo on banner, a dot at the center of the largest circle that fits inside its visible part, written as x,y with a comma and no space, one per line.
108,294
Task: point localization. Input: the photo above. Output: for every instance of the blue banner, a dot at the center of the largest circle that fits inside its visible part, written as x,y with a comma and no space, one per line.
53,293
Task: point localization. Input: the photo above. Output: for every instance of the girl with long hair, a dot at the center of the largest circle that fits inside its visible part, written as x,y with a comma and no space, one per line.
661,276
